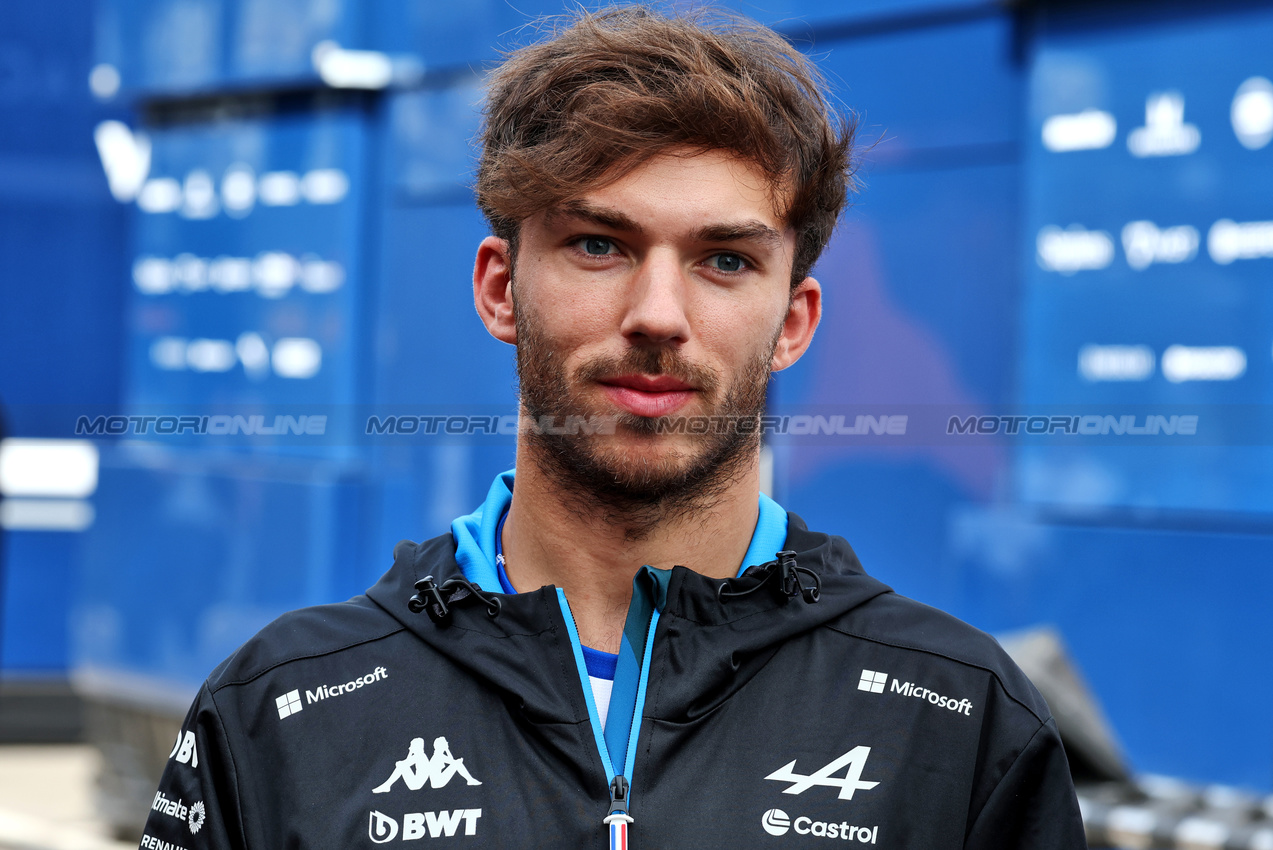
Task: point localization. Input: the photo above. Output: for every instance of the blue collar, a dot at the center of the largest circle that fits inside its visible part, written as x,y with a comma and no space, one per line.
476,535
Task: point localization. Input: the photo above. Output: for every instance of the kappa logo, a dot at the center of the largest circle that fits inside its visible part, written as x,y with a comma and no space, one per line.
418,770
854,760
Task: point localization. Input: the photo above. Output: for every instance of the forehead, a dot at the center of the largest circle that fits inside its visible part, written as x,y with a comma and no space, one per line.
683,190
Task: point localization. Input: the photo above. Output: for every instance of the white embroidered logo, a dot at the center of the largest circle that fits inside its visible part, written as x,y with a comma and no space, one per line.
873,682
417,769
289,704
854,760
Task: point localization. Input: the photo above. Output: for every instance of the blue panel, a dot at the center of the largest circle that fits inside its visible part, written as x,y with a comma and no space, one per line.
260,261
61,234
431,156
274,40
800,16
1170,628
1137,173
953,86
182,47
905,332
449,35
38,569
61,300
189,558
434,357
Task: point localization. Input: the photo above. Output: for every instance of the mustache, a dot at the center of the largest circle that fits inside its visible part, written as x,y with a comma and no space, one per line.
654,362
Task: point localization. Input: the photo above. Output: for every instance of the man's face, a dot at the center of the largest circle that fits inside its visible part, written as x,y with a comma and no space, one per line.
656,297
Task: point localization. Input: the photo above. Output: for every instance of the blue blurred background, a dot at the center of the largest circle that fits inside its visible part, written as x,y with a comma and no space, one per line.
262,207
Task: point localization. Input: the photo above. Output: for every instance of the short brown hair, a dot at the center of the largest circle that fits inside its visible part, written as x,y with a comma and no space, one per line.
619,86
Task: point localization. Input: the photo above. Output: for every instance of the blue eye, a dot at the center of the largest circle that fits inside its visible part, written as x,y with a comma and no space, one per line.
596,246
727,262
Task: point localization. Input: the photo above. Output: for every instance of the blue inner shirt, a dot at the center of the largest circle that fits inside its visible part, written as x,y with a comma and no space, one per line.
479,552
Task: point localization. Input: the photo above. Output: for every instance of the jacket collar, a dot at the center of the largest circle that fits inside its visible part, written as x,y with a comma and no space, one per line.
475,534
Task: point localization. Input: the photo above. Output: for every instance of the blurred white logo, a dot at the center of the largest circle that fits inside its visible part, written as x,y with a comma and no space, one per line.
1145,243
1073,249
1165,132
1252,113
125,158
1091,129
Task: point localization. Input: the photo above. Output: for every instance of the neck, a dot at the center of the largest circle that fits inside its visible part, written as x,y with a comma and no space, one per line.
553,537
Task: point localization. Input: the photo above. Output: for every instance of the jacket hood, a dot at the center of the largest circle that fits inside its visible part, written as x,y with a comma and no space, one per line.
712,645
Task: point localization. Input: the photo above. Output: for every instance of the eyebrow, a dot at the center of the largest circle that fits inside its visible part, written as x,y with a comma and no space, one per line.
604,216
746,231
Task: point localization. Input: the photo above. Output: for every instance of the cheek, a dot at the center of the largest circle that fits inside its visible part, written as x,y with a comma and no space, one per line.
741,335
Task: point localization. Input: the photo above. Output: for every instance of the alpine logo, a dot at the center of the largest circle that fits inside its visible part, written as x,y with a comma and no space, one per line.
854,760
418,770
290,702
874,682
382,828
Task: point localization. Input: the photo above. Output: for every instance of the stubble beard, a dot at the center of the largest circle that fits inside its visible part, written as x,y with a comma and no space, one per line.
625,488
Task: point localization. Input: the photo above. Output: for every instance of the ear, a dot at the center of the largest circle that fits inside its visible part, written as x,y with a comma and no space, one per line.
803,315
493,289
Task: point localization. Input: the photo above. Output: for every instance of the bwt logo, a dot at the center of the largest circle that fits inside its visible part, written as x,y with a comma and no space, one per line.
382,828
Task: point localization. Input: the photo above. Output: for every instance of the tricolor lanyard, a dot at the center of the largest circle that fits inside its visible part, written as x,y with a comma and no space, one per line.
619,734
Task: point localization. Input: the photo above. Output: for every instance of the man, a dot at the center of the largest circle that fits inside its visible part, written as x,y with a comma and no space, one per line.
659,189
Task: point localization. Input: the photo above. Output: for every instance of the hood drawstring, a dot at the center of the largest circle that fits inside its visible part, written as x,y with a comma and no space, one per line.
788,585
438,600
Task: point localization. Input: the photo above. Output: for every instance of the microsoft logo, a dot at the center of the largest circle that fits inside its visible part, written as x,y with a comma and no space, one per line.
872,681
289,704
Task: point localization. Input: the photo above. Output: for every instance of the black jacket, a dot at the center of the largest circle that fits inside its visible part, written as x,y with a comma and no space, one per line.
768,721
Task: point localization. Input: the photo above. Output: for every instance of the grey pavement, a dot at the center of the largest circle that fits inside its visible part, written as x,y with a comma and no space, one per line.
47,799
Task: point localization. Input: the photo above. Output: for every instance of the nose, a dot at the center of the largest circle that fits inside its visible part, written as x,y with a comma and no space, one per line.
656,305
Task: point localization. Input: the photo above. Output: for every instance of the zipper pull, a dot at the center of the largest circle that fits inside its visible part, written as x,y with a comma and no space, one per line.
618,818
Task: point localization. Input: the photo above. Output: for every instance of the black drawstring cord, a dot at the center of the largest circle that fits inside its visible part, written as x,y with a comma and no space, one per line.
789,584
437,600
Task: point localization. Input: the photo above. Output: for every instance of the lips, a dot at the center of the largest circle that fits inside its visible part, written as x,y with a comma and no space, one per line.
647,395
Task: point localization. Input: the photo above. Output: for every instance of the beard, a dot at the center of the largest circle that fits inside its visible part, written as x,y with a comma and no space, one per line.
633,485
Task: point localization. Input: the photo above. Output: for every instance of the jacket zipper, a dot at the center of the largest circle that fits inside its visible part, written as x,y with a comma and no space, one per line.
617,818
